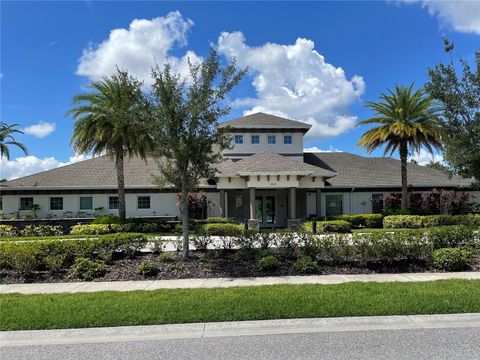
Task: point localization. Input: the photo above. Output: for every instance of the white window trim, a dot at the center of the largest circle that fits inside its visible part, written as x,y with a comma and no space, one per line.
82,196
291,137
20,200
50,203
143,209
235,140
108,202
274,139
251,139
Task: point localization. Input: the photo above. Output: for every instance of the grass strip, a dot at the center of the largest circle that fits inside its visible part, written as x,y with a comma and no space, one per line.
53,311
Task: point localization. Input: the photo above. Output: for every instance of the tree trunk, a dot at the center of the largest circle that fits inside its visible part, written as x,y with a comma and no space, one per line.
403,160
184,211
120,181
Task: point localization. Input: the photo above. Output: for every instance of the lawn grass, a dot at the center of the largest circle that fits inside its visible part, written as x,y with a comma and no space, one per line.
51,311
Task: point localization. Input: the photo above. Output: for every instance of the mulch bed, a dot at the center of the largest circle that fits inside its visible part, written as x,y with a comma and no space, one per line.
214,264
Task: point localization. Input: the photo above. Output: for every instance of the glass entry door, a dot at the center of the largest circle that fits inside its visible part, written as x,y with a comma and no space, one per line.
265,209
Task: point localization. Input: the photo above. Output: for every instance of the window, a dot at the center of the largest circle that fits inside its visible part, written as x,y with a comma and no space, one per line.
143,202
26,203
238,139
377,203
113,202
86,203
272,139
287,139
56,203
334,204
255,139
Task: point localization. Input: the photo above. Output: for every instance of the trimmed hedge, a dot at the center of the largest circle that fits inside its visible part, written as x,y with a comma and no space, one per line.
100,229
363,220
25,256
452,259
222,220
331,226
221,229
418,221
8,231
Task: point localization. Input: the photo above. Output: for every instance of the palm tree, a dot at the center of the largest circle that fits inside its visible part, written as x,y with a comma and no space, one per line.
7,139
109,120
407,121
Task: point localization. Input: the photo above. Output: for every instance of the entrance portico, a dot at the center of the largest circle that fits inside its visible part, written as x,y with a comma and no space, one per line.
268,189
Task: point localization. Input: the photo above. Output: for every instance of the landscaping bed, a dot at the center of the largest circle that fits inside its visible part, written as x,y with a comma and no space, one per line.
217,263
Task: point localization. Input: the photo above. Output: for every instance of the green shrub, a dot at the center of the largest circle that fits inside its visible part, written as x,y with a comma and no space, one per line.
243,255
147,268
451,236
418,221
222,220
201,242
22,259
106,219
90,229
8,231
363,220
87,269
305,265
268,263
24,256
54,263
166,257
452,259
42,230
221,229
331,226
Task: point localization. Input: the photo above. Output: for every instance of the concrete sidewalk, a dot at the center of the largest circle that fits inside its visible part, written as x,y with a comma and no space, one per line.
75,287
236,328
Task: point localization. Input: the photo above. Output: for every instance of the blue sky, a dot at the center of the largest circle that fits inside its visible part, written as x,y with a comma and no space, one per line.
347,54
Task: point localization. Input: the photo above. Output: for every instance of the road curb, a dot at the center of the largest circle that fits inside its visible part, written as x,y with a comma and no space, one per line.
237,328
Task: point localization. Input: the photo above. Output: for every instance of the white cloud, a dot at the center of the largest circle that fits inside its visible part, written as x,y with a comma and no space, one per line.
295,81
424,157
26,165
40,130
139,47
317,149
462,16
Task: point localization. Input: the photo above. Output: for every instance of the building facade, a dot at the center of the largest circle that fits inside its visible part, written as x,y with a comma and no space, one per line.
265,177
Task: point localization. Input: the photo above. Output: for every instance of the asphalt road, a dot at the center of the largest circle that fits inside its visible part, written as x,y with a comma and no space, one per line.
418,344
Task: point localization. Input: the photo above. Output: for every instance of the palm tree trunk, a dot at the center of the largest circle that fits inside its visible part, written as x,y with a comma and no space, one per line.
119,157
403,160
184,211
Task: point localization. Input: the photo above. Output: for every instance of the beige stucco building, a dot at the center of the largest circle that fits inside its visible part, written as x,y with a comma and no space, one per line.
264,176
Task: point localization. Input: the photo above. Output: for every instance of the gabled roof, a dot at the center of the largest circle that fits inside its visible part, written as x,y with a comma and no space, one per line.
265,121
358,171
266,163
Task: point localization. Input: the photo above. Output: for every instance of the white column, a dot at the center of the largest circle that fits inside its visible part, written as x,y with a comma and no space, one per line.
222,203
253,214
292,202
319,203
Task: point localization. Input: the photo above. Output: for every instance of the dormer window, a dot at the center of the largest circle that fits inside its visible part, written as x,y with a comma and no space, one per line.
287,139
238,139
255,139
272,139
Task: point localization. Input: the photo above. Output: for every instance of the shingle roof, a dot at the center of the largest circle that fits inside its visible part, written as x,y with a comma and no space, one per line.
98,172
358,171
270,163
264,121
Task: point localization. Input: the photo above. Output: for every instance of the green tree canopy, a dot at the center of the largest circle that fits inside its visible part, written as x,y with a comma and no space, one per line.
111,120
7,140
184,114
407,121
457,88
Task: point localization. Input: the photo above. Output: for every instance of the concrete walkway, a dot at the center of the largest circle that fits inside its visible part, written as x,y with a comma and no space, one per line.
236,328
75,287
